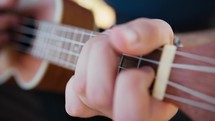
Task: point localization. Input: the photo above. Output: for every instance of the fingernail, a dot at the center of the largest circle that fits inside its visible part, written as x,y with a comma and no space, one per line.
129,35
147,69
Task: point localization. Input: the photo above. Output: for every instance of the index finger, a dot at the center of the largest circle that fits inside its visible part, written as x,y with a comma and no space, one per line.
141,36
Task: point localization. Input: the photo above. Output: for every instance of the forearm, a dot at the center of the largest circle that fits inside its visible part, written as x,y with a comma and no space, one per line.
196,38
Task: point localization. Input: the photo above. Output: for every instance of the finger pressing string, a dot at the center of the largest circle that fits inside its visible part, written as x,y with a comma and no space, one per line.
53,35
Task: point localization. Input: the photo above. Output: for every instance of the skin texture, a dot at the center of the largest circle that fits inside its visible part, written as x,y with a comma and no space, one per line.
42,10
6,20
95,88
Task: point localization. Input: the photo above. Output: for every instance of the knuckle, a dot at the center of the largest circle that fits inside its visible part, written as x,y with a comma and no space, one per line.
71,109
99,44
99,100
163,26
74,110
160,21
79,87
154,25
102,45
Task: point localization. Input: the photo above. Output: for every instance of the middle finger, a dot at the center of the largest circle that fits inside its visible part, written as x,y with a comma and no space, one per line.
101,75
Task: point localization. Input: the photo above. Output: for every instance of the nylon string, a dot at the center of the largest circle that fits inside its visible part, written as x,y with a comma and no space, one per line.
206,69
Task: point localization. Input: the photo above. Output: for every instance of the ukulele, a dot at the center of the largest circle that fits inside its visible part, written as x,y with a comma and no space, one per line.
189,86
30,72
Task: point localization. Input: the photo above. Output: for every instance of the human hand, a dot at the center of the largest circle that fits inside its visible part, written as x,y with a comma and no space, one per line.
6,20
42,9
97,89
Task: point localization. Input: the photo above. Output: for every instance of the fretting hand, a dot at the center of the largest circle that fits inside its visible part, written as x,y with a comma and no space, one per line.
97,89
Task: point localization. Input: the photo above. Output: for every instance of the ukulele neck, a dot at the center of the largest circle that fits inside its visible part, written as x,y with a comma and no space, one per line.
193,68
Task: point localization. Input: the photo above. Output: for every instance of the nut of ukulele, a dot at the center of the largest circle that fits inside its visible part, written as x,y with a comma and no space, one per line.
163,72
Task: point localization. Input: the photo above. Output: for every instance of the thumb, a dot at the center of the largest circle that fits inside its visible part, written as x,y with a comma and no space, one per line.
141,36
132,101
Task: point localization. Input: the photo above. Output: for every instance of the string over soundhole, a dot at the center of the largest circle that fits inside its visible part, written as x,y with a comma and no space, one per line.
24,34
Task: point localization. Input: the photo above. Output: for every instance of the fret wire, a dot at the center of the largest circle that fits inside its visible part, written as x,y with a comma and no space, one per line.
65,30
75,30
176,66
65,64
36,48
86,37
68,34
144,59
206,69
78,36
139,62
198,57
174,97
46,50
55,54
73,39
43,45
71,45
80,30
51,49
52,57
91,34
119,67
47,29
60,38
78,47
37,52
55,30
82,37
49,54
183,66
59,49
121,63
58,55
60,27
68,59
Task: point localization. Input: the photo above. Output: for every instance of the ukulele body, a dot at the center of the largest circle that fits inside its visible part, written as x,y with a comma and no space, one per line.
30,72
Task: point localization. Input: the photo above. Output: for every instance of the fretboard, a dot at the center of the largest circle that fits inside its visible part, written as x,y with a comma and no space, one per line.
61,45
